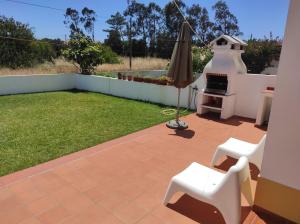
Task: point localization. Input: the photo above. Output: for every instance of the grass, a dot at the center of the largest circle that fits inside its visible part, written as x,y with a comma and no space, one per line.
62,66
36,128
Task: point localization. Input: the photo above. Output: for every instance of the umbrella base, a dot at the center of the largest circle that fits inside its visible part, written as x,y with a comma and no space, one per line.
181,125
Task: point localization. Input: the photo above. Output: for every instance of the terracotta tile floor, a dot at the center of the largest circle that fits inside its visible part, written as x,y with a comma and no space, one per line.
123,181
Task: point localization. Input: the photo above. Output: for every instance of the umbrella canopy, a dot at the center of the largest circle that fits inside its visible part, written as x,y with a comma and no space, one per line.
181,65
181,69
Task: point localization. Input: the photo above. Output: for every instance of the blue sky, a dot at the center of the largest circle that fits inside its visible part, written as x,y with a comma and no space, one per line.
257,17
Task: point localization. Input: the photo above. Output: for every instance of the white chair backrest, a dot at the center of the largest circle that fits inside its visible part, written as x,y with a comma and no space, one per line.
231,185
257,155
236,175
241,169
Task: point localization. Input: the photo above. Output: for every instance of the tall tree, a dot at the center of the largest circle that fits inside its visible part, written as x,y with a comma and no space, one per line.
78,22
130,13
225,21
199,20
72,20
140,13
172,21
173,17
88,19
154,21
136,14
114,42
116,22
146,20
116,32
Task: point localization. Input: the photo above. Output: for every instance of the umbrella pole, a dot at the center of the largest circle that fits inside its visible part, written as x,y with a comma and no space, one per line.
177,124
178,105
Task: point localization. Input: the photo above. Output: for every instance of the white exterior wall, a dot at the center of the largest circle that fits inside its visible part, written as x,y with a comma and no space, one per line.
35,83
281,161
249,88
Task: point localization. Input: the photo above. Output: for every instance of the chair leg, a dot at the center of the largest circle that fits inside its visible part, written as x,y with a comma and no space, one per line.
172,189
231,214
218,154
247,191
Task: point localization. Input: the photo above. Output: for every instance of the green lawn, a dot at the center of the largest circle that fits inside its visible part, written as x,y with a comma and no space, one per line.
36,128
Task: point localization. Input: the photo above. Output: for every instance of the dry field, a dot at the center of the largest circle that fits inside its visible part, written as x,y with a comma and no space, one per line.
62,66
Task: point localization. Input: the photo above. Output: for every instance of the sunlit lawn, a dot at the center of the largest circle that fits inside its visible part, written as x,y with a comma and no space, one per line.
35,128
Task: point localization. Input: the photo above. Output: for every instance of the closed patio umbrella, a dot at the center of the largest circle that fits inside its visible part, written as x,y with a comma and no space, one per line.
181,69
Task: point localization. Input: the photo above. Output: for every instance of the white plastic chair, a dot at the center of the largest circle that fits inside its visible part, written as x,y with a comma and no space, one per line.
236,148
215,188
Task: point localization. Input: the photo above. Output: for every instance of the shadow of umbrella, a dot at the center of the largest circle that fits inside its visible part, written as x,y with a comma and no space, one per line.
184,133
181,69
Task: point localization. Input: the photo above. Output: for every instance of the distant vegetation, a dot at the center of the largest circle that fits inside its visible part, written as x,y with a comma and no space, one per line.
201,56
260,53
88,54
15,53
82,49
60,65
152,30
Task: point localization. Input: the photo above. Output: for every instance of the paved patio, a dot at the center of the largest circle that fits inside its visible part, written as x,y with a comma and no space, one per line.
123,181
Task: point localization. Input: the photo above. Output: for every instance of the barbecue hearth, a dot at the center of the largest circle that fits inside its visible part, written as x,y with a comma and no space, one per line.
216,83
220,76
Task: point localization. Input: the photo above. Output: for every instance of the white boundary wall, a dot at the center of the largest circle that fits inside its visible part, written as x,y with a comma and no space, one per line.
137,90
249,90
35,83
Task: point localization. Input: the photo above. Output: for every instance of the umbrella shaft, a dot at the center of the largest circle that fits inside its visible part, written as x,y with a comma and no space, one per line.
178,104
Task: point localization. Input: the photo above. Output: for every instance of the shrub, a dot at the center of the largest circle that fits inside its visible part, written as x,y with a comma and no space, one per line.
20,49
88,54
42,52
109,56
260,53
201,56
57,45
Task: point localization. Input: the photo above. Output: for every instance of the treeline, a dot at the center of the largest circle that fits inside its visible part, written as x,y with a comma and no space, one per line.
19,48
153,29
